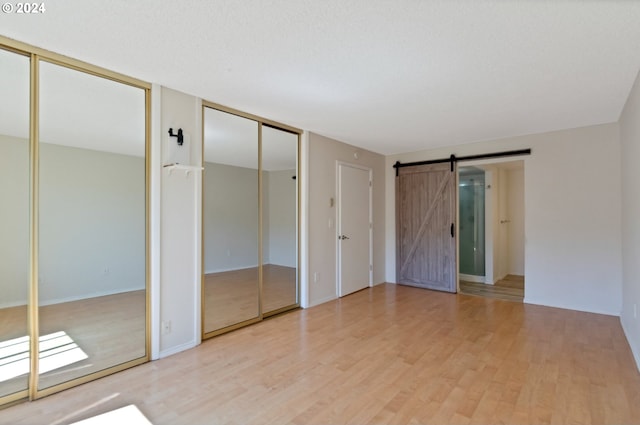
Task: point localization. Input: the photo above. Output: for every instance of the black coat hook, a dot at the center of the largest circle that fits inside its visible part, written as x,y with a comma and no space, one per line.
179,136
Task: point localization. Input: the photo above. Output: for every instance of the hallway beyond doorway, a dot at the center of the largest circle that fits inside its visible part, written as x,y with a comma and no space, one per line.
510,288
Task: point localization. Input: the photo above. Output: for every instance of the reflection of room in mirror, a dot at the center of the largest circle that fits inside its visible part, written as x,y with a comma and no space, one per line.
110,329
57,350
91,113
92,220
14,220
230,220
231,224
90,236
279,219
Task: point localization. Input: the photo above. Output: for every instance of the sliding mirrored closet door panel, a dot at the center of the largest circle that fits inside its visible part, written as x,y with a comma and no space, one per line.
230,221
279,219
92,224
14,222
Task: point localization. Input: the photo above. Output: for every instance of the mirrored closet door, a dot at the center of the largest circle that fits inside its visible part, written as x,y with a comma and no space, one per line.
73,222
250,220
92,224
14,224
230,221
279,219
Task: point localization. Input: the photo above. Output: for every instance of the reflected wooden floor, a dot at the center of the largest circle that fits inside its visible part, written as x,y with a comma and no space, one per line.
110,330
279,287
511,288
232,297
389,354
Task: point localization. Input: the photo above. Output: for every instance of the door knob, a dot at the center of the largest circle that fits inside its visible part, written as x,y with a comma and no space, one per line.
343,237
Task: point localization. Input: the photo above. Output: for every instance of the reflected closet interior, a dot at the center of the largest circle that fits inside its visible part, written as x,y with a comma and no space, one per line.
73,220
250,198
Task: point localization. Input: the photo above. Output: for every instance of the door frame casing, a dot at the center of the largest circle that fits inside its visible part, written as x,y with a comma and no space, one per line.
494,165
337,226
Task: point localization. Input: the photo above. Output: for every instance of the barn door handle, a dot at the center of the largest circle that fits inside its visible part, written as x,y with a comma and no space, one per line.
453,231
343,237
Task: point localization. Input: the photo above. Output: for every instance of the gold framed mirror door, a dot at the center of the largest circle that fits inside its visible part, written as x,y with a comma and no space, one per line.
279,220
250,219
231,292
15,174
92,224
74,301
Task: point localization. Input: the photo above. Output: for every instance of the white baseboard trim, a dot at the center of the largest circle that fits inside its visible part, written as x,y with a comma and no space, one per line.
528,300
635,351
322,300
499,278
251,266
177,349
473,278
13,304
70,299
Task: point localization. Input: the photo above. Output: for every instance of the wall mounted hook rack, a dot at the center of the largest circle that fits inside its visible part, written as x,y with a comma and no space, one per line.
179,136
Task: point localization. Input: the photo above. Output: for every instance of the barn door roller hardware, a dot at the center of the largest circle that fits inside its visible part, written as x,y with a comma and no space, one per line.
454,158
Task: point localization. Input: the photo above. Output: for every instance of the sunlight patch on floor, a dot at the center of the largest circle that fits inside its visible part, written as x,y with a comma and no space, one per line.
129,415
56,350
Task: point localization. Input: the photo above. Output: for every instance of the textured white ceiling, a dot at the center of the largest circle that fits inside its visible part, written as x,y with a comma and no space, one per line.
389,76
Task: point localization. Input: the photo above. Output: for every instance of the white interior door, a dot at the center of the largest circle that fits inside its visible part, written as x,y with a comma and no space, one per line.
354,229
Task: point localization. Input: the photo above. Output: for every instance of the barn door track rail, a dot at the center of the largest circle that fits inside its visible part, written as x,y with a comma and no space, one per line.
453,159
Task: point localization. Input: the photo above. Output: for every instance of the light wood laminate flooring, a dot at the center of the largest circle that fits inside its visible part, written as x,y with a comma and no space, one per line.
389,354
511,288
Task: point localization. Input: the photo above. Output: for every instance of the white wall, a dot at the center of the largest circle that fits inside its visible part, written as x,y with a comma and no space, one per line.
230,217
92,223
491,224
14,221
504,200
630,139
502,226
572,215
266,211
279,228
323,153
515,214
180,228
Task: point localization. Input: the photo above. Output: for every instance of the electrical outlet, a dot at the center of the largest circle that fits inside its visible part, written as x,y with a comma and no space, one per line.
166,327
316,277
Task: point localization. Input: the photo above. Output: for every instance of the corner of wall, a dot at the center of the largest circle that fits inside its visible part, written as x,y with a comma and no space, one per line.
155,189
633,342
629,134
304,221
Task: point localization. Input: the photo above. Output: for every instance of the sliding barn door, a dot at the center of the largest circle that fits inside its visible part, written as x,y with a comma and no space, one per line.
425,226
